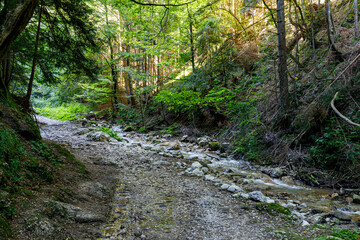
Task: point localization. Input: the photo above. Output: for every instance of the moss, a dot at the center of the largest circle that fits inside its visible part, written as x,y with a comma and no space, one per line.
273,208
129,128
214,145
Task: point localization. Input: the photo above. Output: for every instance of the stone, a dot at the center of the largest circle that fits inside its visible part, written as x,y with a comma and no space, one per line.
302,206
98,137
276,173
157,149
257,196
205,170
185,138
316,211
83,131
233,188
305,223
203,141
317,218
225,186
195,165
160,163
209,177
341,215
356,199
197,172
94,189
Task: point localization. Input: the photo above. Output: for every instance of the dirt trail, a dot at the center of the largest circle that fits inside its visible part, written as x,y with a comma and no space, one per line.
153,199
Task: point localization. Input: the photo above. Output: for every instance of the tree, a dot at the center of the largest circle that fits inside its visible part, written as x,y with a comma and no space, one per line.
14,17
282,65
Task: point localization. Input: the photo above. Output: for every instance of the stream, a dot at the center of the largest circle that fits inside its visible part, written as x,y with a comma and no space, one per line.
171,188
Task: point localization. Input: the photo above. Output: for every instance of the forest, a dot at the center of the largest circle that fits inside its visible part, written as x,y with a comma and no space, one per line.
273,82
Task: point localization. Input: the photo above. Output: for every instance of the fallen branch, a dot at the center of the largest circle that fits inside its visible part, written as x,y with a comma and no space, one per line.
338,113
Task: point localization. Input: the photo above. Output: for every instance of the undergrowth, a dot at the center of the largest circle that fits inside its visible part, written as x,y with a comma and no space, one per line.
67,111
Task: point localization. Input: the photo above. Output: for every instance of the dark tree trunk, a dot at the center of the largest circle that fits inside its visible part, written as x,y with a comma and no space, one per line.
14,17
282,66
28,95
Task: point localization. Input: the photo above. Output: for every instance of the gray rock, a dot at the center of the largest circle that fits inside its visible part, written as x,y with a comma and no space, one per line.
83,131
184,138
225,186
98,137
204,170
72,212
317,218
157,149
209,177
94,189
159,163
197,172
195,165
356,199
302,206
341,215
276,173
233,188
257,196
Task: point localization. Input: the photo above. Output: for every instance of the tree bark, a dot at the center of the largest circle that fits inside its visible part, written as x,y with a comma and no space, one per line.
356,19
13,19
282,66
28,95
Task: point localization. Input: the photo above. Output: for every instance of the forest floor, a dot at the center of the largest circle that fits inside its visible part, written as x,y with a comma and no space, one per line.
135,193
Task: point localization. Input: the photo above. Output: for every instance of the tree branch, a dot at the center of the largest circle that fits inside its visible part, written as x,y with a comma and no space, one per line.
162,5
340,115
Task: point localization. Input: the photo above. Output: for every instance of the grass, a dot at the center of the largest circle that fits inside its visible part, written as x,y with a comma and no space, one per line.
68,111
341,234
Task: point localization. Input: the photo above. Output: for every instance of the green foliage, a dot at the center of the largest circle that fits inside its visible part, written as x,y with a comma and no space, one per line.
143,129
171,129
181,101
111,133
335,147
273,208
5,228
343,234
127,114
67,111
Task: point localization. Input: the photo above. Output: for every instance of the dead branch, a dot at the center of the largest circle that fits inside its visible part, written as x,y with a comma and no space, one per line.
338,113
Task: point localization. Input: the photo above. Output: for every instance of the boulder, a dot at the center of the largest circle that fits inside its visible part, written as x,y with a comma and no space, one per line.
257,196
356,199
276,173
98,137
341,215
233,188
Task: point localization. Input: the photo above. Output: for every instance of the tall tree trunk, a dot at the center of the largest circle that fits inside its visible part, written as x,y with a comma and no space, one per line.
28,95
112,64
282,66
356,19
192,48
132,99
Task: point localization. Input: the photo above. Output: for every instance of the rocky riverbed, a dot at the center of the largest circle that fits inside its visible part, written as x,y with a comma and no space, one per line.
167,188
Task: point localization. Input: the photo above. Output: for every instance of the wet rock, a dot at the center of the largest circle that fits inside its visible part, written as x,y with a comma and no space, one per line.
341,215
98,137
276,173
233,188
356,199
257,196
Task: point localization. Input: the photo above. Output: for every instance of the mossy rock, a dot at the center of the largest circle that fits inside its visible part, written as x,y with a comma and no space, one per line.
273,208
129,128
214,146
